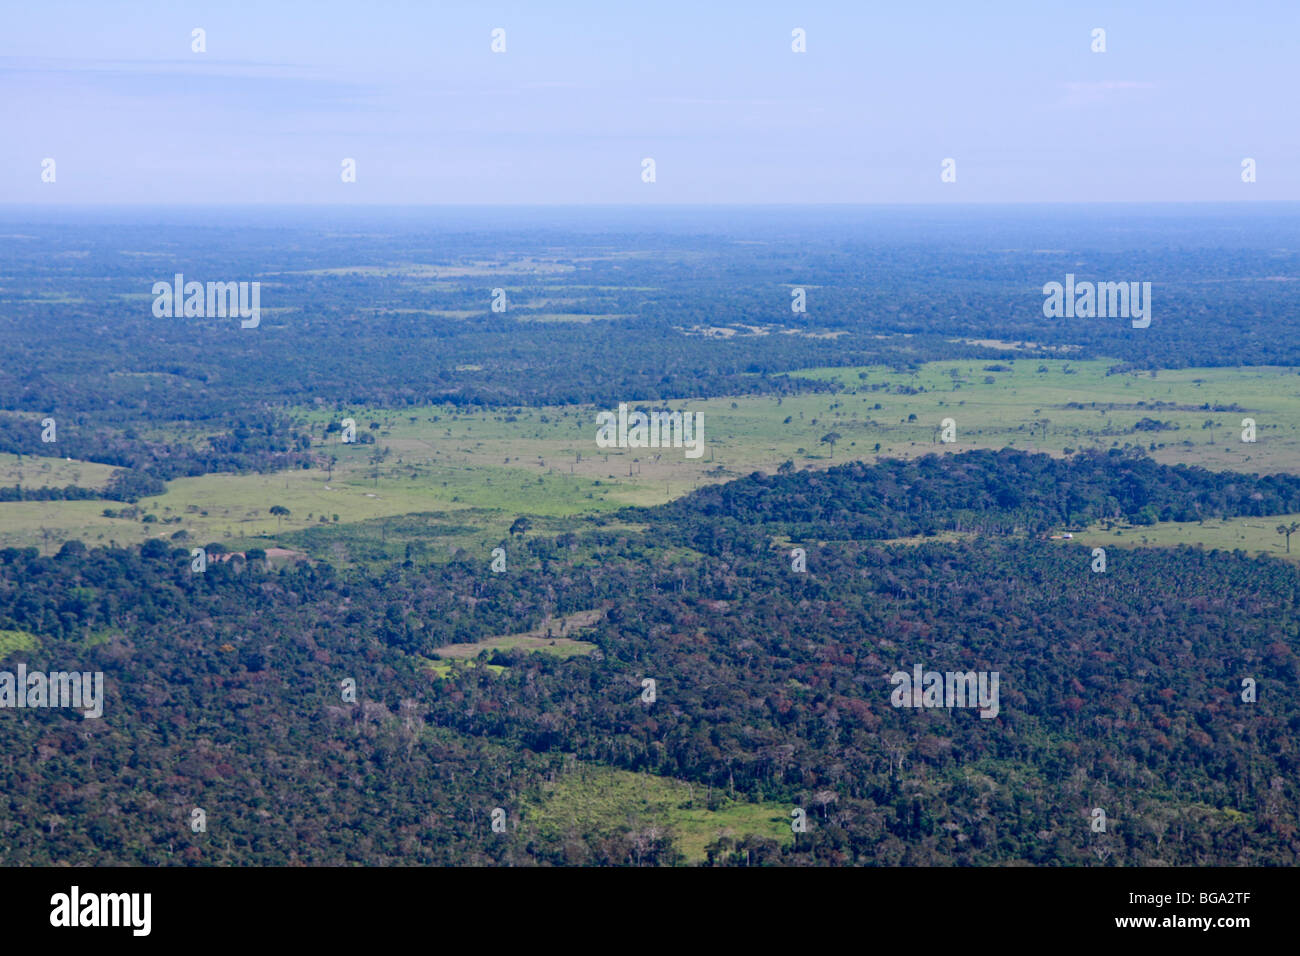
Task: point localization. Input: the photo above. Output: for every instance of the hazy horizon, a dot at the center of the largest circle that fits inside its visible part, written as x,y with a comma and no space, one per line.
282,94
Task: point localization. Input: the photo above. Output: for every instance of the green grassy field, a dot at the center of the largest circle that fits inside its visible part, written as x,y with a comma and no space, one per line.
1253,535
581,318
597,800
1076,404
442,669
11,641
32,472
549,638
479,469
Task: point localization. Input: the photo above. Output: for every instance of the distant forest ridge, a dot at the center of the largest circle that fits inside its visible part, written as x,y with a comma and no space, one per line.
394,309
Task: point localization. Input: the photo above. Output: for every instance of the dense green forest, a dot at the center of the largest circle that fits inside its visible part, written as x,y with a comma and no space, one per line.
985,491
1120,690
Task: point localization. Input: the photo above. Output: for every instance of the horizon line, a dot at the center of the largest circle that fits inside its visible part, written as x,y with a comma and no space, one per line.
794,204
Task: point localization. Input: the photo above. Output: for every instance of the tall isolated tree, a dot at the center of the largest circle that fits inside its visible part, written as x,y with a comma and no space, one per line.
1288,530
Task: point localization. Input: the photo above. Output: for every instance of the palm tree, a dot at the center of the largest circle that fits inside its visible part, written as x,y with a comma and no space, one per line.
830,438
280,512
1288,530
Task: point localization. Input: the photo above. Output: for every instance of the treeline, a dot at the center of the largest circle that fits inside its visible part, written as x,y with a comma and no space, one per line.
261,442
50,493
1005,491
125,484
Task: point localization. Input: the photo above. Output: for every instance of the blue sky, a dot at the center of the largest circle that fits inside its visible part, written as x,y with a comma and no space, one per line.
585,91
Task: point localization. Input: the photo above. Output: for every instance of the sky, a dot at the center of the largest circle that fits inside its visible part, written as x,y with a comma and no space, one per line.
1012,92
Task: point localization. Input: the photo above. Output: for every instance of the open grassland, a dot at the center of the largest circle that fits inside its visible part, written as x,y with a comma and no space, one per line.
445,668
591,800
1050,405
47,524
558,646
467,269
235,509
478,469
1253,535
1053,405
552,637
581,318
11,641
33,472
